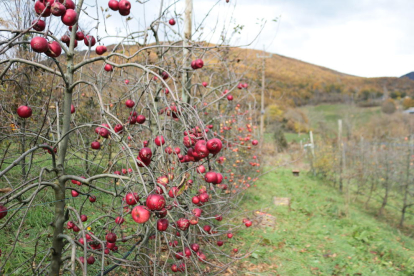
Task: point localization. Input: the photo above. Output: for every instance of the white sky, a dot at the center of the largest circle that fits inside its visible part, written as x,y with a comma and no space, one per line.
369,38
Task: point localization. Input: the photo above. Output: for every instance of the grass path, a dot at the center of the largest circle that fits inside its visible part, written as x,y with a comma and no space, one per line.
317,237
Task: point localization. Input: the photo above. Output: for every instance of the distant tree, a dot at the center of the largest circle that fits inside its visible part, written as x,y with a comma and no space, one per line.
388,106
408,102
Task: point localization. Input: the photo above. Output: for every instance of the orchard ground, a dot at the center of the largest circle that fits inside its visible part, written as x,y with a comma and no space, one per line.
319,236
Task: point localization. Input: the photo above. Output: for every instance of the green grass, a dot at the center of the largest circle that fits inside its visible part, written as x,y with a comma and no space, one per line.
316,237
330,113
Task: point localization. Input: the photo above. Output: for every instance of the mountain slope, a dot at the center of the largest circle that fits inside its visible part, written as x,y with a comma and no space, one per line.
409,75
302,82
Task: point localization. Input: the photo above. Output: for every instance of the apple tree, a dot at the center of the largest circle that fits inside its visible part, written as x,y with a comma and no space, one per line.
128,156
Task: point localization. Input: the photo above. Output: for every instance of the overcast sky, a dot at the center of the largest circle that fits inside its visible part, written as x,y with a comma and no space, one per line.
369,38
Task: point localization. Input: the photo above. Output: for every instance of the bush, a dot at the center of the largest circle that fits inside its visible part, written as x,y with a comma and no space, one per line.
407,103
280,139
388,106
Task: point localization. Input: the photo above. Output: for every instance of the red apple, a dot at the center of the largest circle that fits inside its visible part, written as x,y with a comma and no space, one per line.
118,128
119,220
229,235
131,198
173,192
141,119
140,214
203,197
40,8
108,68
54,49
24,111
74,193
230,97
89,40
129,103
110,237
219,217
124,7
79,36
195,247
145,154
90,260
70,17
3,211
210,177
220,243
155,202
70,224
248,223
205,84
214,145
39,44
95,145
183,224
172,22
162,224
83,218
39,25
113,5
100,50
207,228
68,4
197,212
195,200
92,198
58,9
159,140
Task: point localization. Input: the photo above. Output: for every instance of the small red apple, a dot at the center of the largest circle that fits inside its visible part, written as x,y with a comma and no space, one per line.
129,103
89,40
101,49
3,211
140,214
111,237
39,25
95,145
58,9
131,198
83,218
24,111
108,68
113,5
162,225
183,224
155,202
159,140
90,260
172,22
39,44
70,17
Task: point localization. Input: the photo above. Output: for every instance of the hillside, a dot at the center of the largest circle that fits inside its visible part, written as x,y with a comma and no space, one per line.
290,81
304,83
409,75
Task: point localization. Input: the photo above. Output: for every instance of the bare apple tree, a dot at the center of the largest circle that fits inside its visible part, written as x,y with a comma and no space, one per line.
129,156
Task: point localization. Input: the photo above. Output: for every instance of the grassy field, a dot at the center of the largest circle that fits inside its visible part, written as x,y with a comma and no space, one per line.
330,113
318,237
